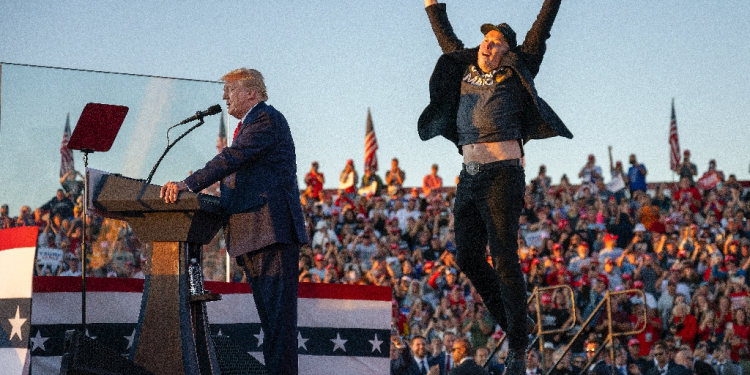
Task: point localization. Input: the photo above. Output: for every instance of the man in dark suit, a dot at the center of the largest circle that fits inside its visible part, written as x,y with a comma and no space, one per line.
661,363
700,354
484,100
462,357
264,226
683,363
445,360
722,361
412,360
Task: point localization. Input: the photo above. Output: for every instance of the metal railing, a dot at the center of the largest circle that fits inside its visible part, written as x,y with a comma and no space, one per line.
611,334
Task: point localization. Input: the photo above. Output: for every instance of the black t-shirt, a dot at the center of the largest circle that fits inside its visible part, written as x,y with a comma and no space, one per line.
491,108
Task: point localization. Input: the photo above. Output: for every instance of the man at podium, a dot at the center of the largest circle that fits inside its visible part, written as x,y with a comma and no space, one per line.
264,228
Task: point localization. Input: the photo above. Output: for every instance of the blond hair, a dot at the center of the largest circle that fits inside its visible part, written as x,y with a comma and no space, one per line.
250,79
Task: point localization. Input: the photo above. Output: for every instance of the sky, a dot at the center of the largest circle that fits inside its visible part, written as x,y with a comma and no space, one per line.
611,71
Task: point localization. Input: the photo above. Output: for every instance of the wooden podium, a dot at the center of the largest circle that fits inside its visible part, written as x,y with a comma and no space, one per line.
172,336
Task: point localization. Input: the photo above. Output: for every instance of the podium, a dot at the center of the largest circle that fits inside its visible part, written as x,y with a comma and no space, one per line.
172,336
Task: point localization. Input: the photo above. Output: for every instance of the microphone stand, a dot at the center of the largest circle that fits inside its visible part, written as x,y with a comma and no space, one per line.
84,245
153,170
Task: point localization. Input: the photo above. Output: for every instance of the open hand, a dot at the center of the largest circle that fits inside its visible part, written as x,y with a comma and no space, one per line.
171,190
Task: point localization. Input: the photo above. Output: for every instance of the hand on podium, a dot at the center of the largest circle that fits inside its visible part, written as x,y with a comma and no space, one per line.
171,190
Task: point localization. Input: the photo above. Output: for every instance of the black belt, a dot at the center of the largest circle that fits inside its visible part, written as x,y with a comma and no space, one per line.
474,167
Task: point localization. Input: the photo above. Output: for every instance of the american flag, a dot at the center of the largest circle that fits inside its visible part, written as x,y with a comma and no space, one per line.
674,143
66,154
371,145
221,142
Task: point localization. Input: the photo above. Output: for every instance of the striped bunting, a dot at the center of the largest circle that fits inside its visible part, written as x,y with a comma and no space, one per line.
340,326
17,248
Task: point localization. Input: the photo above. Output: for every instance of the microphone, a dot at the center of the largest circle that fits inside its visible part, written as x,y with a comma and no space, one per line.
212,110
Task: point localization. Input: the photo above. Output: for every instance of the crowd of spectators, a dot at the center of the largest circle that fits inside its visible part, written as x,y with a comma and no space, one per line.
685,245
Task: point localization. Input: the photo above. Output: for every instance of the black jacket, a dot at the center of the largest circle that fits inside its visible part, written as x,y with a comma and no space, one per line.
468,367
439,118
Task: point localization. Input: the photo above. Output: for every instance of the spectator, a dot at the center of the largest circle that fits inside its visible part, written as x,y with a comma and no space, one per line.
323,235
711,179
463,357
444,359
661,363
701,365
5,220
60,205
371,183
619,179
25,218
683,364
348,180
686,169
722,363
432,182
73,269
314,181
394,178
687,195
636,175
540,185
590,173
72,186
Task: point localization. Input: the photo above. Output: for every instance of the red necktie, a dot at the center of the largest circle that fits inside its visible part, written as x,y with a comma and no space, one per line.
236,130
448,364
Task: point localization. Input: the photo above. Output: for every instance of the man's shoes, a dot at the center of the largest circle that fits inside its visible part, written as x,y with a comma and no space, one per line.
515,362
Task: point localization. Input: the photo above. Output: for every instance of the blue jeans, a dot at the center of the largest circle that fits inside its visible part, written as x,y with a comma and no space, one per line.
486,210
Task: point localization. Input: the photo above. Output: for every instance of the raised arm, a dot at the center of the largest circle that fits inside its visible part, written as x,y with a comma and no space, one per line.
442,28
535,43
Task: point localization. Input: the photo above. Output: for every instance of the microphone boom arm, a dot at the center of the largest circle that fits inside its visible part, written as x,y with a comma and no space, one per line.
153,170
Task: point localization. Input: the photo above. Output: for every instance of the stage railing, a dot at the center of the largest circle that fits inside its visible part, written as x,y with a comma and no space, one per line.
540,332
611,334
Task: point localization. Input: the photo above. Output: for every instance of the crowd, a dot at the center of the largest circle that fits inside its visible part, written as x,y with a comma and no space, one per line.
685,245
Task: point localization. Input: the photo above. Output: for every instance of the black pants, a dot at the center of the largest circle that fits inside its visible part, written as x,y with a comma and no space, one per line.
486,210
272,275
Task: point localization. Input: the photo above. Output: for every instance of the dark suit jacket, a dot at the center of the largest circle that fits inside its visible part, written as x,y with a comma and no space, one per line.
439,118
703,368
439,360
730,368
402,364
468,367
259,183
679,370
653,370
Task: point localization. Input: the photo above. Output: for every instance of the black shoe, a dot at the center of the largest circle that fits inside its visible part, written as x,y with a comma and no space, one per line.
515,362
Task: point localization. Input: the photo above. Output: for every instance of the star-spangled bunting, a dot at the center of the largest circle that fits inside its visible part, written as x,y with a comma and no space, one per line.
38,342
338,343
301,341
16,324
260,337
375,343
130,339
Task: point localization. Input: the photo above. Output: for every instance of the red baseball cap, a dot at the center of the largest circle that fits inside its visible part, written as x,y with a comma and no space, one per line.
546,298
603,278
